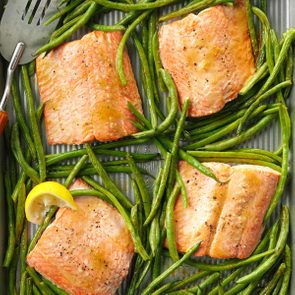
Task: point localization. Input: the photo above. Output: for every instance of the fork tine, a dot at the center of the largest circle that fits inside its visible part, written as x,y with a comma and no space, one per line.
39,13
30,11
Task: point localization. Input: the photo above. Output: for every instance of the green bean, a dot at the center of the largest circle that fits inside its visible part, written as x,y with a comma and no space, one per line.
63,11
29,286
289,36
34,124
267,264
245,135
189,280
88,192
259,74
120,51
157,200
173,110
55,158
148,81
164,288
268,154
143,274
273,236
66,167
226,281
18,186
276,50
22,284
263,5
289,72
267,290
287,275
136,273
39,112
64,28
35,290
32,68
41,286
91,171
261,55
204,284
285,165
228,265
104,28
154,234
197,5
157,61
141,185
196,164
12,273
76,170
77,12
182,292
213,126
231,154
182,189
278,287
41,228
20,118
106,179
82,21
23,248
157,264
152,24
17,151
179,128
134,215
171,241
136,239
144,35
241,160
134,7
226,130
54,288
20,213
251,27
11,223
170,269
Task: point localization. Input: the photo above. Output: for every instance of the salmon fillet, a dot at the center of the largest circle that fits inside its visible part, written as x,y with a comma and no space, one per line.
83,95
226,217
209,56
87,251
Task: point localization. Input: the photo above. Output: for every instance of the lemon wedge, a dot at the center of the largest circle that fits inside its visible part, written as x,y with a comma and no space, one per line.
45,195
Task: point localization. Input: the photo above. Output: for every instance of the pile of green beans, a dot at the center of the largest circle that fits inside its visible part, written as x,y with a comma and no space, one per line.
216,138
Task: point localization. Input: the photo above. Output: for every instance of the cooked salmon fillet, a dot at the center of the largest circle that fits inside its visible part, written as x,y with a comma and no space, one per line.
83,95
209,56
227,217
87,251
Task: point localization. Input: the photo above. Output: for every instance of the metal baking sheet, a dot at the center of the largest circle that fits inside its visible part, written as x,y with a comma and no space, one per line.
282,15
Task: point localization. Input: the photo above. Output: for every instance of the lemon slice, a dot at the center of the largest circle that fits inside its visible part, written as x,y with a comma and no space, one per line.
45,195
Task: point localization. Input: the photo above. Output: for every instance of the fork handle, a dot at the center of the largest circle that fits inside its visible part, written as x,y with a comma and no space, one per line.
3,121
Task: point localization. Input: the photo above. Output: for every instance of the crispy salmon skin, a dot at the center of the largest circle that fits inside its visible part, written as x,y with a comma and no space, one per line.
85,252
209,56
227,217
84,98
